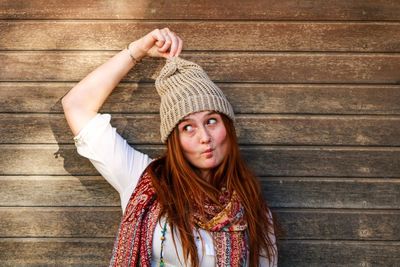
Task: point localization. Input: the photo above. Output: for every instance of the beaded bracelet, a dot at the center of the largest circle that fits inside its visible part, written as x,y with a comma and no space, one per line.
132,57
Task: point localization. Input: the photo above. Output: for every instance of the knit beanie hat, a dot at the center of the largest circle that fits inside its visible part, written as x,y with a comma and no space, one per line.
185,88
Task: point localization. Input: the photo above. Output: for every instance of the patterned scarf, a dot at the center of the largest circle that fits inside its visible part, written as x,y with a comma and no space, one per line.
133,243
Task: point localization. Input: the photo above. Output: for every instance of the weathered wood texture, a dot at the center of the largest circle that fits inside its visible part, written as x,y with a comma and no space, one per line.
44,97
251,129
267,36
316,90
47,191
103,222
221,67
322,192
280,192
317,253
204,10
55,251
264,160
60,222
96,252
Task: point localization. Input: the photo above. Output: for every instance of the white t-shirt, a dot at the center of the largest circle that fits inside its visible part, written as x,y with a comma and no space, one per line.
121,165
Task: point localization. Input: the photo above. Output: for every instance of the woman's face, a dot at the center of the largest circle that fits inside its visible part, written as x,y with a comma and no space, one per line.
203,139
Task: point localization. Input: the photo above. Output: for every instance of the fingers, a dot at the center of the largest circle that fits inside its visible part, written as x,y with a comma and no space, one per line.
163,43
171,41
158,36
174,44
167,41
180,46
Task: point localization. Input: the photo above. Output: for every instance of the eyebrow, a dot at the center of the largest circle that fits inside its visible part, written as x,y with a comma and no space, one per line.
208,114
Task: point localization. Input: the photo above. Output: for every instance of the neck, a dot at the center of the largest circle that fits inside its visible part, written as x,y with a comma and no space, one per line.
205,174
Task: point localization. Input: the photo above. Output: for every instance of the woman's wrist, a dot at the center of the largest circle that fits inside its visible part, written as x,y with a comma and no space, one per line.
134,52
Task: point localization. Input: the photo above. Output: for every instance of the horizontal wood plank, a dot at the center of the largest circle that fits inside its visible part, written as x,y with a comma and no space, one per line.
320,192
57,191
103,222
208,9
59,222
90,252
304,253
221,67
251,129
340,224
270,36
265,161
284,192
45,97
323,161
55,251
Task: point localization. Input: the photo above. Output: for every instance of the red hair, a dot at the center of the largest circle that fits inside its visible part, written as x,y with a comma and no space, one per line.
179,188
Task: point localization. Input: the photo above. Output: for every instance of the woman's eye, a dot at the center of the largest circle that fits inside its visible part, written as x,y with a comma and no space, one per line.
212,121
188,128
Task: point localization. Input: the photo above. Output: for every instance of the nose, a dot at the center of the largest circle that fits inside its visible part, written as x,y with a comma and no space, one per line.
205,136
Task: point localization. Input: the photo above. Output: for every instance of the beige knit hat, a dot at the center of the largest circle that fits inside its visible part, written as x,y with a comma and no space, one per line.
185,88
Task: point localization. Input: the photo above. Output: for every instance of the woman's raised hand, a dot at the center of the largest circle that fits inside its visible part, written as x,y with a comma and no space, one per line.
157,43
83,101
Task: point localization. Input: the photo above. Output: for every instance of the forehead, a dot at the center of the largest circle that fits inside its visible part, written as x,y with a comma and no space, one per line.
199,115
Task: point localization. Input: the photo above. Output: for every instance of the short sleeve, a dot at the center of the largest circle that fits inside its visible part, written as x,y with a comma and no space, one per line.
119,163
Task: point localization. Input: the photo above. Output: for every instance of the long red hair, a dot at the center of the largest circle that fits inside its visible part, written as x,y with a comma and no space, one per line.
179,189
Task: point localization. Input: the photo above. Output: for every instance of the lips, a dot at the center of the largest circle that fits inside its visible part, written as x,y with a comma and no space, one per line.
207,151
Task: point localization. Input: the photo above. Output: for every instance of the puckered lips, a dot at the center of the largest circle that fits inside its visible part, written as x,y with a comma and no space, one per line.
208,153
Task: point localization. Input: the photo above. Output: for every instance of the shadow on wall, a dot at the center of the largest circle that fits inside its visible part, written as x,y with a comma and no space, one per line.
75,164
80,167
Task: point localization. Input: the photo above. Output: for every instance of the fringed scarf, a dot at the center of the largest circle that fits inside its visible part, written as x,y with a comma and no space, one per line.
133,243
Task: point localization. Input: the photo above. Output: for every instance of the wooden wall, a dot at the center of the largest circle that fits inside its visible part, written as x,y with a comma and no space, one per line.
315,85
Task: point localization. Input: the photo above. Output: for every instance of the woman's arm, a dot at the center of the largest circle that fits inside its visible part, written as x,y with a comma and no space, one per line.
84,100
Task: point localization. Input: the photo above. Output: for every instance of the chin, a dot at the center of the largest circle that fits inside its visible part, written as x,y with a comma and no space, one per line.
209,165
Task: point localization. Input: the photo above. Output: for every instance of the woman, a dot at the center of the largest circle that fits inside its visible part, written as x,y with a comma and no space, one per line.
198,205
